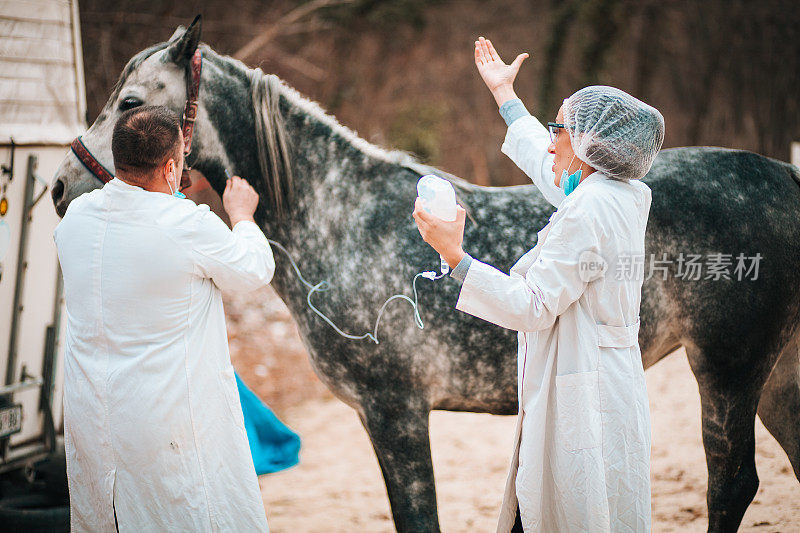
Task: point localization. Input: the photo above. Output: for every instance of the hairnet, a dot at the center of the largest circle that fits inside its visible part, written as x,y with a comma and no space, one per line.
613,132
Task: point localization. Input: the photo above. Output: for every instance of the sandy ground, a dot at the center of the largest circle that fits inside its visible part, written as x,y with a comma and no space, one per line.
337,487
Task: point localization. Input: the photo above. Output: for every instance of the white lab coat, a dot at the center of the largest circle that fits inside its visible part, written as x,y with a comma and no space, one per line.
153,426
582,446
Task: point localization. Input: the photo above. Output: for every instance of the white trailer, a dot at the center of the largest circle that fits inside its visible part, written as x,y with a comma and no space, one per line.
42,108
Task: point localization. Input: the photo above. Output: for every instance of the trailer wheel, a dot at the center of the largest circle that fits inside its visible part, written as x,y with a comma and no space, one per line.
51,475
34,513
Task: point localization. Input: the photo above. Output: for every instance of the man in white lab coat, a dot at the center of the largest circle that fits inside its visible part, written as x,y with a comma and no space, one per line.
582,447
153,427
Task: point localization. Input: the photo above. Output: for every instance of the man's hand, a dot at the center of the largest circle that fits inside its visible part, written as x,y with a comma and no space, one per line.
497,76
239,200
445,237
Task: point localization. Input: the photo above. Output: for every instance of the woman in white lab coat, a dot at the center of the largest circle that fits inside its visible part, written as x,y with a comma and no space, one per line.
582,444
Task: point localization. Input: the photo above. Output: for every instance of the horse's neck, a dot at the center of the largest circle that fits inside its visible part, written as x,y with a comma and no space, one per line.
333,171
332,177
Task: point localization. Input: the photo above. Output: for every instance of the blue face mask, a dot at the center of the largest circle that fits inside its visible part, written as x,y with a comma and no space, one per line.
569,182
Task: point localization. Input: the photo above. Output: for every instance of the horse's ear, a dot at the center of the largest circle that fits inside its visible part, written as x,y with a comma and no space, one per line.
180,30
183,48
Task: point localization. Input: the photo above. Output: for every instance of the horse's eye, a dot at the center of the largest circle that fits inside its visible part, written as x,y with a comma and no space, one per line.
129,103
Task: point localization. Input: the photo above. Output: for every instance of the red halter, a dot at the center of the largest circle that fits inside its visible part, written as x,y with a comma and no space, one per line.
189,116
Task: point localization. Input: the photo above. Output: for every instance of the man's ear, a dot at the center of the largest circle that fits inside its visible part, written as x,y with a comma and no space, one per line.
183,48
165,170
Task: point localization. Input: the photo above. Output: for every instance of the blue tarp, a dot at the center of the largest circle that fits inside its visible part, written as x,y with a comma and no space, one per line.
274,446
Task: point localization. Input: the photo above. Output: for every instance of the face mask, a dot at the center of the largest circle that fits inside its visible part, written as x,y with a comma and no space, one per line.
569,182
175,192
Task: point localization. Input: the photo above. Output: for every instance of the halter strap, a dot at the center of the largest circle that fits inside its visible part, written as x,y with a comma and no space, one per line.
189,116
90,162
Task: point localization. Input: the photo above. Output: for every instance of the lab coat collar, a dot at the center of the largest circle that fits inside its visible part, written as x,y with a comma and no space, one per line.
117,183
594,176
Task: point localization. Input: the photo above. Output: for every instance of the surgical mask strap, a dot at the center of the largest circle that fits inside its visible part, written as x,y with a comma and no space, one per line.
569,182
175,192
570,163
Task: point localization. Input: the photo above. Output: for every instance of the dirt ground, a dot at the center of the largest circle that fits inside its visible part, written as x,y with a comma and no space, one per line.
337,487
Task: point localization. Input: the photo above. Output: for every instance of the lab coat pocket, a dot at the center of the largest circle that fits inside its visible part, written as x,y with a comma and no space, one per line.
231,392
578,421
617,336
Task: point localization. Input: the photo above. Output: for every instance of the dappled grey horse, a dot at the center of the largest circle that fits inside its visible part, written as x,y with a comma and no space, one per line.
342,208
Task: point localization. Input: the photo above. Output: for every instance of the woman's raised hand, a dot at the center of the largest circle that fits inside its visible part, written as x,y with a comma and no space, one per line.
497,76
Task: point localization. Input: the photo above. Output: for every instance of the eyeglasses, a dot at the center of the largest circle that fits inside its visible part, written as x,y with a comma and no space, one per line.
553,128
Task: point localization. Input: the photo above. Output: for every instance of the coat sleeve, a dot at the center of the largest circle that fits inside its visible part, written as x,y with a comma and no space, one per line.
240,260
526,145
551,285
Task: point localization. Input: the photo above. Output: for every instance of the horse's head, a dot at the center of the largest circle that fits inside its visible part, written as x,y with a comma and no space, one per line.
158,76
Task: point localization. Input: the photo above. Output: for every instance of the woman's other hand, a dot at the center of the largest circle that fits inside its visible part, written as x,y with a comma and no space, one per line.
497,76
445,237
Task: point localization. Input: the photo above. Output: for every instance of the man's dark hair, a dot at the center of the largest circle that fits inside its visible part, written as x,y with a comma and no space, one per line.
144,138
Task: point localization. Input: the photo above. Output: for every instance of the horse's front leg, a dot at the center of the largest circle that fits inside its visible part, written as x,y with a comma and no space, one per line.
729,399
398,428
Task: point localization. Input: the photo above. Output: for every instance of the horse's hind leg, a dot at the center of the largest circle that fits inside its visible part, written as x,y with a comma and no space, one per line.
779,407
399,435
729,399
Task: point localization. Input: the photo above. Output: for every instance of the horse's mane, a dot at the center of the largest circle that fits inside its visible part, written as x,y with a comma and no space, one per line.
273,145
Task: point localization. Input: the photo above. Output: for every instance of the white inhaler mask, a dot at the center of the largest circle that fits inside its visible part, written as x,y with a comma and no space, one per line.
439,199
